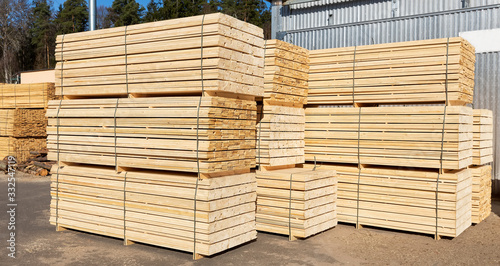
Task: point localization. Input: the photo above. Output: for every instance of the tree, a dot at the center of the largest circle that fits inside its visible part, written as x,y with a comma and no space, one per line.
125,12
14,29
251,11
73,17
154,12
43,34
102,20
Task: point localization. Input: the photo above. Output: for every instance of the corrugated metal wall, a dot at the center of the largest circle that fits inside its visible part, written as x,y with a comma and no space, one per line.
408,28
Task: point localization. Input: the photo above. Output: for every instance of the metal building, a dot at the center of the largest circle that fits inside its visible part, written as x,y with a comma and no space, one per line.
321,24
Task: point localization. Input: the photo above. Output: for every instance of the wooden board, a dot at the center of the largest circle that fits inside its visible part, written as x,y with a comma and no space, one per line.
395,73
483,137
404,199
21,147
156,207
392,136
280,135
296,201
23,123
481,192
163,133
286,74
35,95
211,53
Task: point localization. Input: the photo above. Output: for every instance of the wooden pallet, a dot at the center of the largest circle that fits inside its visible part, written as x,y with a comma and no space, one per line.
286,74
23,123
404,199
21,147
481,192
483,137
155,133
35,95
405,72
392,136
296,202
280,133
214,52
156,207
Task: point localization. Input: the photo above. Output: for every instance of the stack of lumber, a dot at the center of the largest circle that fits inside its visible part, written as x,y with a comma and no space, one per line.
157,207
296,202
392,136
406,72
21,147
155,133
164,57
34,95
404,199
286,74
483,137
280,134
156,136
23,123
481,192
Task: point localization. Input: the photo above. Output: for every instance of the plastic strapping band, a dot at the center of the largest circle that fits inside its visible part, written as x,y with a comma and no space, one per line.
354,74
114,133
262,111
126,59
442,138
359,168
198,139
290,210
57,129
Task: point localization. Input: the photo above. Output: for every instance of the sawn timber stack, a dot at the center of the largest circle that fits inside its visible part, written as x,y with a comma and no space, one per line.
406,72
35,95
23,123
162,58
392,136
483,137
481,192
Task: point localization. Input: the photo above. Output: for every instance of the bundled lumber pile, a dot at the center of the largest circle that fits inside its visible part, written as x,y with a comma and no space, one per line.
164,57
405,72
21,147
23,123
404,199
280,135
393,136
34,95
481,192
286,74
156,137
296,202
156,207
483,137
163,133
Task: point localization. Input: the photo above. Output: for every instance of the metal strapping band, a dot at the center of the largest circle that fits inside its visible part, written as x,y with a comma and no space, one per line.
262,112
57,133
198,139
62,66
290,210
359,167
126,59
442,138
124,207
354,73
114,133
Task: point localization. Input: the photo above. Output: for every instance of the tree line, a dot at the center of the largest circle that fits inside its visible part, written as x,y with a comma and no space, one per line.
28,29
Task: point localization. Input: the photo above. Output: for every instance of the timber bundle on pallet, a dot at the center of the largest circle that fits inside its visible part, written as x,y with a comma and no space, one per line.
392,136
171,164
296,202
404,199
481,192
406,72
34,95
483,137
286,74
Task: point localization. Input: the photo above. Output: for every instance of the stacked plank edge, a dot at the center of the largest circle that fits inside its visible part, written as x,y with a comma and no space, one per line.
156,135
483,137
481,192
406,72
296,202
22,118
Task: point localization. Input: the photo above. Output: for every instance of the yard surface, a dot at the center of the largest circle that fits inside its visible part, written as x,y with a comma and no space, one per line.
37,242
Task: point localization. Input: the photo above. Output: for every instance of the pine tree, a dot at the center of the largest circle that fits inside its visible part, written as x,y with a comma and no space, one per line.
153,12
42,34
72,17
125,12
